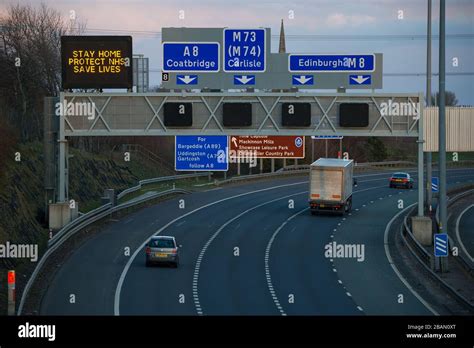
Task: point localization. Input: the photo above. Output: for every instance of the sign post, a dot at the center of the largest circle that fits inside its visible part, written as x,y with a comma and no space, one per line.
11,292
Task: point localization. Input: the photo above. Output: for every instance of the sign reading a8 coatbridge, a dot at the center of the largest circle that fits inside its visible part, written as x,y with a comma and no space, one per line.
96,62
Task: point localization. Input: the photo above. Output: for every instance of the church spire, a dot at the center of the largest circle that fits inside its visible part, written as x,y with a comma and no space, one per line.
282,46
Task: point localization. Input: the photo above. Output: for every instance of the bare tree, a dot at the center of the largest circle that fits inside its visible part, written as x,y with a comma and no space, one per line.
31,63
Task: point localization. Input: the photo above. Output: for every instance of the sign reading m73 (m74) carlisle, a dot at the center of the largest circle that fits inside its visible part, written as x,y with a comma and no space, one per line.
244,50
96,62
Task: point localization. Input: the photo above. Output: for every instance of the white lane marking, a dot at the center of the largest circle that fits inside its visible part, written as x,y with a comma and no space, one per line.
127,221
118,289
395,269
339,281
180,223
360,308
348,294
208,243
457,231
267,256
269,245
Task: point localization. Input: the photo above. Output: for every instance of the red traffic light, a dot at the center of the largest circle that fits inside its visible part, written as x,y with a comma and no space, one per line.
11,277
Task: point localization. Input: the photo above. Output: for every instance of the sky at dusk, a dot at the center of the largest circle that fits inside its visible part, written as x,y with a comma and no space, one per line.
143,19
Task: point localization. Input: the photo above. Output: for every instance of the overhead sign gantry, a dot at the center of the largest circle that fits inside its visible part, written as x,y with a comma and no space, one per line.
247,61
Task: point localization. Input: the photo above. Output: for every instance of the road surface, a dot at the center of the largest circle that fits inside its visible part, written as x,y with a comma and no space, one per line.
247,250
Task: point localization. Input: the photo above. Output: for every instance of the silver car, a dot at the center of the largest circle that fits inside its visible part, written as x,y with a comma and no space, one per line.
162,249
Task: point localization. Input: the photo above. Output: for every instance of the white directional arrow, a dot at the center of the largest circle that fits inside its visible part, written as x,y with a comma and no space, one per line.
244,79
234,140
303,79
187,79
360,79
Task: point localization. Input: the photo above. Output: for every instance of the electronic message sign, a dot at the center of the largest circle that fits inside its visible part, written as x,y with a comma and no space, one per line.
96,62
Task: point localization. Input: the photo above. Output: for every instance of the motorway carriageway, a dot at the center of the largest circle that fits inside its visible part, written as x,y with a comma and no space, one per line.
281,256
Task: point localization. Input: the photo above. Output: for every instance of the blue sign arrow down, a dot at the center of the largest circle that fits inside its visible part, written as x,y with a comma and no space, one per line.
303,80
244,79
360,79
186,79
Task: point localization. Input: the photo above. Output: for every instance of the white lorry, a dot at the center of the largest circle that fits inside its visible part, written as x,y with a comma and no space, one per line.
330,185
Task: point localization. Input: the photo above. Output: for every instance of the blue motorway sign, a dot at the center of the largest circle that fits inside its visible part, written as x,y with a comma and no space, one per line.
244,50
441,244
331,63
435,184
191,56
201,153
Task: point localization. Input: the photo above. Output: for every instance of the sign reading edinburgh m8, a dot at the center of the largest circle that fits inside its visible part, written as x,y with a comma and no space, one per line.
331,63
96,62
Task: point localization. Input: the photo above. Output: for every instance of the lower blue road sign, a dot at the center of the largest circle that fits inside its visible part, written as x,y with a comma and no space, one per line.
435,184
201,153
360,79
244,79
302,80
441,244
186,79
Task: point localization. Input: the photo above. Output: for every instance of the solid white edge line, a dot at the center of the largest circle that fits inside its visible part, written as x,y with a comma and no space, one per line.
395,269
457,232
118,289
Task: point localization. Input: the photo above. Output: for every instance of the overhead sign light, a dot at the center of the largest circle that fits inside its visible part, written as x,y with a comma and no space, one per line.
354,115
237,114
96,62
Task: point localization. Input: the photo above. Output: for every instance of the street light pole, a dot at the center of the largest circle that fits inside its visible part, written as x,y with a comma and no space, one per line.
428,103
442,126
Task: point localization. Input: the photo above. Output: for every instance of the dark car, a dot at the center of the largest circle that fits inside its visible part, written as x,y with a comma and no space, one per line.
162,249
401,180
